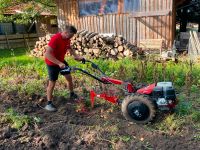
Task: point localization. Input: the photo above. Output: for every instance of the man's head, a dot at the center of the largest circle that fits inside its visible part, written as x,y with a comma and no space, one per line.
69,32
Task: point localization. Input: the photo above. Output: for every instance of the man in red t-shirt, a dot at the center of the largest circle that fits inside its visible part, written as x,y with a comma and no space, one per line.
54,59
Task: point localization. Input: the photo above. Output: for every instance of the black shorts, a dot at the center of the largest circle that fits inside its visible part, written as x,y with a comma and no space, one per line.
53,71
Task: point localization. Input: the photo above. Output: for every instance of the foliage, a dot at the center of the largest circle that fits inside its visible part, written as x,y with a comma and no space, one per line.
171,124
17,120
30,11
10,53
195,116
125,138
5,19
184,107
17,61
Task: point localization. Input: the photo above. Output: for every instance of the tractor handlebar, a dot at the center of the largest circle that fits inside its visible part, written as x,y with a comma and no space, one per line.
70,69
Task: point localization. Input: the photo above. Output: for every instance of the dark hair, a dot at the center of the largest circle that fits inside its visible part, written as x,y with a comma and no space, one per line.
71,29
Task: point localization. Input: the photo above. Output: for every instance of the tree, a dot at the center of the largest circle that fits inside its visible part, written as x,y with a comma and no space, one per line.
30,11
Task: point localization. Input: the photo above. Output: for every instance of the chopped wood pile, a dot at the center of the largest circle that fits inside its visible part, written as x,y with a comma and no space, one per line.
93,45
40,46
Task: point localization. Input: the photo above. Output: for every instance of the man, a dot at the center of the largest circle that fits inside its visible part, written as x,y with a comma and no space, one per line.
54,59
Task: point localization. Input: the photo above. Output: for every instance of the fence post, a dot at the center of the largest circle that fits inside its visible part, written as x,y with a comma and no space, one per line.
27,42
7,41
24,40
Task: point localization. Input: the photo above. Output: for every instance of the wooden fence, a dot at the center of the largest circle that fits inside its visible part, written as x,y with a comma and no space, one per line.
18,40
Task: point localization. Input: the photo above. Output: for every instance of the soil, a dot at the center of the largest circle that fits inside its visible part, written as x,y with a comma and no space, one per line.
102,127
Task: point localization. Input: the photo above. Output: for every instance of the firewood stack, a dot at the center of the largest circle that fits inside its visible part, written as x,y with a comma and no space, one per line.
95,45
40,46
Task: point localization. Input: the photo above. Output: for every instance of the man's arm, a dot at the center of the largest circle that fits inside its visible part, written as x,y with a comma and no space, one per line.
50,57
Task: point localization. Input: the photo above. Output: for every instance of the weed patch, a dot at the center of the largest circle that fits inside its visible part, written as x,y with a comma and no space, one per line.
18,121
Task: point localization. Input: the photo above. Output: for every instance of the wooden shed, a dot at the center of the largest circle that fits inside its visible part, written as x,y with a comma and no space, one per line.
45,23
135,20
13,35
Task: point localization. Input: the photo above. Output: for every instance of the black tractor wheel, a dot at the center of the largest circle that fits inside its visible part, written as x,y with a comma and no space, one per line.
138,109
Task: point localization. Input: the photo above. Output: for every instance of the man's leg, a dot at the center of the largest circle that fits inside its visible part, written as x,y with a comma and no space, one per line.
68,77
50,89
53,72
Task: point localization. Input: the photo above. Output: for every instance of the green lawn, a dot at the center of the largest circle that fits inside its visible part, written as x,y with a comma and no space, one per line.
17,57
9,53
126,69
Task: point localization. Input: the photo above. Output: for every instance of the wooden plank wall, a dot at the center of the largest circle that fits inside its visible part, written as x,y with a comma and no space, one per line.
18,40
133,29
156,27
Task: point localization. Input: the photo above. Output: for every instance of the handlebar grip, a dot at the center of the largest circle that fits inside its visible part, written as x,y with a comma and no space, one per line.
66,70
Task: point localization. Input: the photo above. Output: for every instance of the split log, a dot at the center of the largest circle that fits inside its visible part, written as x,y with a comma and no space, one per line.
114,52
120,48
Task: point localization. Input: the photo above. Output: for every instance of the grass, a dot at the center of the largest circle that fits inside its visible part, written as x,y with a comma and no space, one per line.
19,71
17,63
18,120
10,53
126,69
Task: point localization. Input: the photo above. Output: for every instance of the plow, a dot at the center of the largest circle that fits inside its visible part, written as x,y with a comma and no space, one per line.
139,104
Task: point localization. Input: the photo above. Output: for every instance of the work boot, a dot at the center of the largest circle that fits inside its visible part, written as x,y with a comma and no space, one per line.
50,107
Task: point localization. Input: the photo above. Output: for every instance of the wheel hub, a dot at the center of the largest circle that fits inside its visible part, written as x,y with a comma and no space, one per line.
138,111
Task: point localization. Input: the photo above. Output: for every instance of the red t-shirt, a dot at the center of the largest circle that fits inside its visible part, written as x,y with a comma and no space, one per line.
60,47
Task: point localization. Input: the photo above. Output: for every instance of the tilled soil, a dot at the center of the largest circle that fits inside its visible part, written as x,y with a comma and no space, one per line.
102,127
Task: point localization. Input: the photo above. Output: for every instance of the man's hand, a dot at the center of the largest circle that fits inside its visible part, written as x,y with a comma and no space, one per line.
65,71
61,65
83,60
77,57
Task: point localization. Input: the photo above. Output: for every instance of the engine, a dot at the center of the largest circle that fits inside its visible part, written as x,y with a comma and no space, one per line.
164,95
